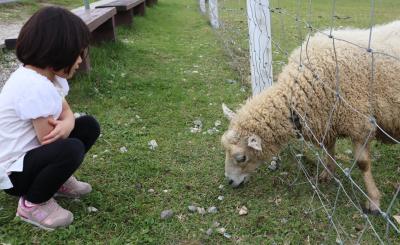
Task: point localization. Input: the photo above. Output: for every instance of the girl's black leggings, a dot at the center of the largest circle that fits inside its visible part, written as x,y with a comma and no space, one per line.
47,167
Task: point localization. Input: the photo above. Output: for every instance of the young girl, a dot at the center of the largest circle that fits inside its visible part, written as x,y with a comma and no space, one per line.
41,143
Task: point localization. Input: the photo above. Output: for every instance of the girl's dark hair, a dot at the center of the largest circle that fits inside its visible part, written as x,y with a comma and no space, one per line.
53,37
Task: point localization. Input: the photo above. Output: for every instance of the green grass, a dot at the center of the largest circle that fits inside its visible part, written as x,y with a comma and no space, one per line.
13,12
161,75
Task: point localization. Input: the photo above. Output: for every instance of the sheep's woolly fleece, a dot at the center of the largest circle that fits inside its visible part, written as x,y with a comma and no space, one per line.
311,91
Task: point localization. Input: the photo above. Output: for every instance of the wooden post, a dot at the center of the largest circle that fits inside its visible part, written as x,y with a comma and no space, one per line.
140,9
203,6
259,22
213,5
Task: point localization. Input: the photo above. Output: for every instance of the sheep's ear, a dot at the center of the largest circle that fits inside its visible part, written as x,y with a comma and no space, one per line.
228,112
254,141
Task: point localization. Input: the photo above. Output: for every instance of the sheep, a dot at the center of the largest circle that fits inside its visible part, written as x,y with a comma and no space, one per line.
332,100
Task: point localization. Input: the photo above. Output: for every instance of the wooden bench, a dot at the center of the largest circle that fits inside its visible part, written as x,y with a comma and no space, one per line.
126,9
150,3
10,43
101,24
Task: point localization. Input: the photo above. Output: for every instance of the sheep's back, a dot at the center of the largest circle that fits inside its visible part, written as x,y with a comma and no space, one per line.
348,69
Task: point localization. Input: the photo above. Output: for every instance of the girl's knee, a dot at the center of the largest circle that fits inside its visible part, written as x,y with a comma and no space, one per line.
95,126
74,149
91,124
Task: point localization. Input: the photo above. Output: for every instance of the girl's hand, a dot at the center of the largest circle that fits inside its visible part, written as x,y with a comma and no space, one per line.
62,129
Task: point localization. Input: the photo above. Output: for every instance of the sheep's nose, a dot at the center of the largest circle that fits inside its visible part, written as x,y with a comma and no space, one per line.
230,182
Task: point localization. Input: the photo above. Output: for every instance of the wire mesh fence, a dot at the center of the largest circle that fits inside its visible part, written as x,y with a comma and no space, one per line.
293,25
233,33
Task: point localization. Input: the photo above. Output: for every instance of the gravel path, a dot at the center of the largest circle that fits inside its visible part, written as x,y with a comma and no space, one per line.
8,64
9,30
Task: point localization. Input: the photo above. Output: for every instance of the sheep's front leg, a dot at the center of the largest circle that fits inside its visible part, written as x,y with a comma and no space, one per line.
362,157
327,174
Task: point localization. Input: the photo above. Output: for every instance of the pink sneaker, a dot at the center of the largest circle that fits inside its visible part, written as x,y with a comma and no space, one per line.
73,188
48,215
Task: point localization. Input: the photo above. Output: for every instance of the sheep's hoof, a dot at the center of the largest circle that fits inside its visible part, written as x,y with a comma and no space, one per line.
371,212
325,176
368,209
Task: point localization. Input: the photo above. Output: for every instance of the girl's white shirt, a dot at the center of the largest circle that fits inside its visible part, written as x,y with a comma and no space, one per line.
26,95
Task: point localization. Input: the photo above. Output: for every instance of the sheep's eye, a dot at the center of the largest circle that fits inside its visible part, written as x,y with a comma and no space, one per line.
240,158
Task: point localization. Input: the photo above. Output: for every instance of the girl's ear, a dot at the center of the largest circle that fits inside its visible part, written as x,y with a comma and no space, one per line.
61,73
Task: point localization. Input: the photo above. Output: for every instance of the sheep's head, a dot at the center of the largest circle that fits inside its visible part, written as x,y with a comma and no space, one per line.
243,153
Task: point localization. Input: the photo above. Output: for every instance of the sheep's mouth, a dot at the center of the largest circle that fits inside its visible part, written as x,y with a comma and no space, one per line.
236,185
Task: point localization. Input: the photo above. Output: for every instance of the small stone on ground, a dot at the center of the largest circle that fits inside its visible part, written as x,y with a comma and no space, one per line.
192,208
243,211
212,210
166,214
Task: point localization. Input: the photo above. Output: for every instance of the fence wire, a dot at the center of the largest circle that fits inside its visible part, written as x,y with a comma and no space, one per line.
293,24
233,33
